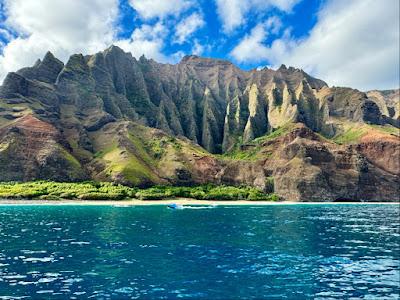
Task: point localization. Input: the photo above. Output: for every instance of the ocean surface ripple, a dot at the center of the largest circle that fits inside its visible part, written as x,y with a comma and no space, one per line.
264,252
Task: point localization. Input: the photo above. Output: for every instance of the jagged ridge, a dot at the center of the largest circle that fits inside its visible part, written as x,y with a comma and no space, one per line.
210,102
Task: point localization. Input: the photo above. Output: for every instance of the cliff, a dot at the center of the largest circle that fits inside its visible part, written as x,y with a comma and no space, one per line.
109,116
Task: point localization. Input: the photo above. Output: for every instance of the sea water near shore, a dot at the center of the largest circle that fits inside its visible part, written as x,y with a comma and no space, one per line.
248,251
181,201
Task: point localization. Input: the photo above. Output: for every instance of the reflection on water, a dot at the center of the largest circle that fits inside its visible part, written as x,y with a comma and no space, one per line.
294,252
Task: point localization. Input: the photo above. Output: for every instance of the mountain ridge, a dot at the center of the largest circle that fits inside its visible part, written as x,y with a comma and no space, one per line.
196,102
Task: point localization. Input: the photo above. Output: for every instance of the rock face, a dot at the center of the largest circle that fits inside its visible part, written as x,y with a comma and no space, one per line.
31,149
209,101
388,104
312,168
109,116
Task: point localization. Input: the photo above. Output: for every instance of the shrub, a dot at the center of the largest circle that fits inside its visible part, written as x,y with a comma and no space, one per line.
111,191
68,195
150,195
198,194
49,197
101,196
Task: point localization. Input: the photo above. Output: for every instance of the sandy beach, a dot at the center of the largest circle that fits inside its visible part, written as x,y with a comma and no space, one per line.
181,201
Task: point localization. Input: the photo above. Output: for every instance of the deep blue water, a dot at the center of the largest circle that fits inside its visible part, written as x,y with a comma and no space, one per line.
272,252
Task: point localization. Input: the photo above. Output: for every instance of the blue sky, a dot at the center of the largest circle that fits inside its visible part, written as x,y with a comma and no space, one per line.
217,42
346,43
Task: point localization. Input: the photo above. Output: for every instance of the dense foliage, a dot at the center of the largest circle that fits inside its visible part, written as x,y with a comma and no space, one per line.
205,192
47,190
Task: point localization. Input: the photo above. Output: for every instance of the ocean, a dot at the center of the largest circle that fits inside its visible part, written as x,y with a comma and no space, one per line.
299,251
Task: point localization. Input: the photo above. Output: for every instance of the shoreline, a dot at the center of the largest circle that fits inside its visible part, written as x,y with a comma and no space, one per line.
181,201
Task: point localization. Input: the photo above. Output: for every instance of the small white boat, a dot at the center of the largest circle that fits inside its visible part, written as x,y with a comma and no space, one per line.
175,206
179,206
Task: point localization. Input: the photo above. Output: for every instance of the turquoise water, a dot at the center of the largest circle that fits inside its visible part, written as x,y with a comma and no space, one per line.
273,252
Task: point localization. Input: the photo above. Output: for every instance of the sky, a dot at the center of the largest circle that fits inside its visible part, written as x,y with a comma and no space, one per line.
351,43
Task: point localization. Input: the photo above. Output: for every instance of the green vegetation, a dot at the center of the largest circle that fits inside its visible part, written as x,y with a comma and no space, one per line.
134,167
387,129
140,149
157,146
239,154
205,192
255,146
275,134
57,190
352,135
71,159
104,151
47,190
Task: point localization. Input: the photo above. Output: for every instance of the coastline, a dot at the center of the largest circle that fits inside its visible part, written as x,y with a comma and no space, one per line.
181,201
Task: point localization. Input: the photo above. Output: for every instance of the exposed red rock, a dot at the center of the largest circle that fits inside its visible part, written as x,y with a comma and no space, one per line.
31,149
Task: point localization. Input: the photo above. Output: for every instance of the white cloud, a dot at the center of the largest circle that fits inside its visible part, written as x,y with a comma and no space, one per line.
353,44
233,13
66,27
177,56
63,27
252,48
5,34
147,40
197,48
149,9
283,5
273,24
188,26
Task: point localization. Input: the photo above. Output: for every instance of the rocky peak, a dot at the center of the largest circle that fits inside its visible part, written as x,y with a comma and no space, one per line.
114,51
188,58
13,85
45,70
37,63
77,63
210,101
195,60
50,59
143,59
282,68
388,103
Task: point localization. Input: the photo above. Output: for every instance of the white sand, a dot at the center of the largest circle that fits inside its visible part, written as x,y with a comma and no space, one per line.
181,201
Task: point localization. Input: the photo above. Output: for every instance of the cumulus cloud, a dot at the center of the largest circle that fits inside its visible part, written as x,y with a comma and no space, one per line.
233,13
177,56
5,34
197,48
149,9
147,40
188,26
353,44
252,48
70,26
73,26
